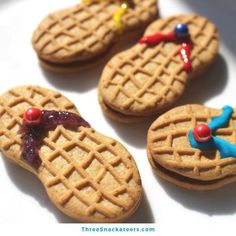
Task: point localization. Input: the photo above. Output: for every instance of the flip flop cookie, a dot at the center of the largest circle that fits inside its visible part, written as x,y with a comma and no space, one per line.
149,77
88,176
78,37
194,146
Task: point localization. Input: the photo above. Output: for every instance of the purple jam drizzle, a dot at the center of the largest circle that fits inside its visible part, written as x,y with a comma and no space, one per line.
179,35
31,138
32,135
50,119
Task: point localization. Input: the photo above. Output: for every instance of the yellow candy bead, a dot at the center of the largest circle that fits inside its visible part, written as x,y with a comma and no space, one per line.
124,5
117,17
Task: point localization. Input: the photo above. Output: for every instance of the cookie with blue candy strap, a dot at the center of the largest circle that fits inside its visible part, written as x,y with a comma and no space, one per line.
194,146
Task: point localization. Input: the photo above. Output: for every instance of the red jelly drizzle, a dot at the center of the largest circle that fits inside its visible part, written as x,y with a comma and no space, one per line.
184,52
185,55
32,135
157,38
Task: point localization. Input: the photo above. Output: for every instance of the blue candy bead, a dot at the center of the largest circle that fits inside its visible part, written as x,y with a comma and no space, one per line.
181,30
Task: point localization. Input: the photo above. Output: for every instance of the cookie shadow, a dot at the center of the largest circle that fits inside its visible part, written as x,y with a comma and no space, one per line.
133,134
81,82
222,14
143,213
209,85
6,2
213,202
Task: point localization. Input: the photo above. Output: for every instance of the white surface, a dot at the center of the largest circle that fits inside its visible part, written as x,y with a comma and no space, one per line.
175,210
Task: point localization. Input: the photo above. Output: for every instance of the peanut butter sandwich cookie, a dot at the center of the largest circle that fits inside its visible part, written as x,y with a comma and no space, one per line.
149,77
88,176
194,146
78,37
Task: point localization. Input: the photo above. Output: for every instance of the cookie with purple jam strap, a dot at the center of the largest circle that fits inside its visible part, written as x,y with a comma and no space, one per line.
87,175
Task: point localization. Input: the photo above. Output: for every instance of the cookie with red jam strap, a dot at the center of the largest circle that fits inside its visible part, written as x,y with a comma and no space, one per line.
148,78
180,34
78,37
88,176
194,146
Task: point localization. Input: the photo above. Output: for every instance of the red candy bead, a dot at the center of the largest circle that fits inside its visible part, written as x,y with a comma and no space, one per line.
202,133
32,116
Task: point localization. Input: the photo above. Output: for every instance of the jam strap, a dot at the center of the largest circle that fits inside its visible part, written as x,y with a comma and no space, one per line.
180,35
35,125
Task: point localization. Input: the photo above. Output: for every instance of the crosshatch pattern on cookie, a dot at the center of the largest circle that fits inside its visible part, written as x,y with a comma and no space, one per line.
145,78
81,170
85,30
169,145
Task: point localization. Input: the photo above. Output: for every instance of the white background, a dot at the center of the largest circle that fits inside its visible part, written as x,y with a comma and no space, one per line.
174,210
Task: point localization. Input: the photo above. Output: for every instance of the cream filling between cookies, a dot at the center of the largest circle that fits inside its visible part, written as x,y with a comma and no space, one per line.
186,179
74,64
